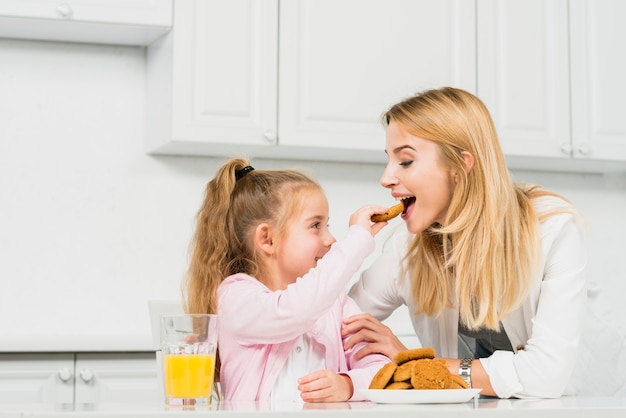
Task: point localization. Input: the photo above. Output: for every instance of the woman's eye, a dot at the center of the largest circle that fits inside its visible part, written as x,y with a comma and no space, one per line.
406,163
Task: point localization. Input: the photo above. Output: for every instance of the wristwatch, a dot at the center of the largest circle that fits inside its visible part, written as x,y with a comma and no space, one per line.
465,370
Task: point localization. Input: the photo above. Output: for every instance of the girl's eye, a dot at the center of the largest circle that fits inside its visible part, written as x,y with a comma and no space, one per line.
316,225
406,163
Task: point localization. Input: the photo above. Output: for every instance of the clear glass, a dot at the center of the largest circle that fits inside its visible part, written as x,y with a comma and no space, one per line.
188,345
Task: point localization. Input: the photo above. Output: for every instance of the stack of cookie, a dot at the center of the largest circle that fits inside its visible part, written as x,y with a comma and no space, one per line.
416,369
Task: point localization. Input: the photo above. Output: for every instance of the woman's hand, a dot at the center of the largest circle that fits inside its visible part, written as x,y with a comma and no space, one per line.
325,386
378,337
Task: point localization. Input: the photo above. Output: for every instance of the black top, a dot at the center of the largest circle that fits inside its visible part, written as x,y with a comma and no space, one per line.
482,342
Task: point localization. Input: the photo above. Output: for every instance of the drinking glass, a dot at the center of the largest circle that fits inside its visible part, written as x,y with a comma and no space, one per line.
188,346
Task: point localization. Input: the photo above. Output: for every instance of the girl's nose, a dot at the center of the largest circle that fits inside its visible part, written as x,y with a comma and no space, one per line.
329,239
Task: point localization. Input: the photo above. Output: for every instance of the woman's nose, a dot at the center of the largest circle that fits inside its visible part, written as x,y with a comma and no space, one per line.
388,179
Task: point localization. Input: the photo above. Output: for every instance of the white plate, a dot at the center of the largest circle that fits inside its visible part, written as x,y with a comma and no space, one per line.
420,395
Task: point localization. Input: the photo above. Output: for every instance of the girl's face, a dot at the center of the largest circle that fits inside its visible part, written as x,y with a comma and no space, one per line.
307,239
416,174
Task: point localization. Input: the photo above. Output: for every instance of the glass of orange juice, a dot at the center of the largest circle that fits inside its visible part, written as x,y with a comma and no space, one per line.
188,347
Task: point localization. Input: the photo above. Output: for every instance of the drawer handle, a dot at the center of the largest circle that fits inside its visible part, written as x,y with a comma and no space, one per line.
65,374
86,375
65,10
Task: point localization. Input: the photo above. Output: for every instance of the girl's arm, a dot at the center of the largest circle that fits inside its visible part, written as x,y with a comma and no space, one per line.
256,315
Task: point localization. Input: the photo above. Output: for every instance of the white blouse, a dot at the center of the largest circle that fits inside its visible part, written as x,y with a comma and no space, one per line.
545,331
306,357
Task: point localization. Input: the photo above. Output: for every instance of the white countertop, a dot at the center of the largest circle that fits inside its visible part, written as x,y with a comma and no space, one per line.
566,407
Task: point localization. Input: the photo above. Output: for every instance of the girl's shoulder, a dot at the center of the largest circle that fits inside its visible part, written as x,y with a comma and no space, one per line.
241,279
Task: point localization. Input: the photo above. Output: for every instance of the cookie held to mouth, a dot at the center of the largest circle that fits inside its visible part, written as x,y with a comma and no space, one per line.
391,213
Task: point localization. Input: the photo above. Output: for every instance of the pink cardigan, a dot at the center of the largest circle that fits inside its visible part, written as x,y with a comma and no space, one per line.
258,328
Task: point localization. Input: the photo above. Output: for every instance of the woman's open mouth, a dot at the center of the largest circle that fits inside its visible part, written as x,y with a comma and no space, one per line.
407,202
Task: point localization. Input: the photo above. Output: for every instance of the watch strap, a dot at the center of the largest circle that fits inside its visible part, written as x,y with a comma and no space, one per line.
465,370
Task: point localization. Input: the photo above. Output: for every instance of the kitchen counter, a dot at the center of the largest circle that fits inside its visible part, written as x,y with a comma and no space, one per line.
570,407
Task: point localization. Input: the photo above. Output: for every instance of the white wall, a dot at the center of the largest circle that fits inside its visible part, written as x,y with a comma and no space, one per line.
91,227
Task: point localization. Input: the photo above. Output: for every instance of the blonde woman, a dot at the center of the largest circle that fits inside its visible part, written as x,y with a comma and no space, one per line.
490,270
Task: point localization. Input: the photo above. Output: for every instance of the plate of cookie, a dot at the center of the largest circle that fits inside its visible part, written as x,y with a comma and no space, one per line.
413,396
416,376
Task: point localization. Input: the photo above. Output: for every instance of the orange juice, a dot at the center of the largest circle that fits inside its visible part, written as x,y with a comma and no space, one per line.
188,375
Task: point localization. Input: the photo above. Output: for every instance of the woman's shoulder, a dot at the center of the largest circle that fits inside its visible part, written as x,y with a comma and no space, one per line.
556,213
551,202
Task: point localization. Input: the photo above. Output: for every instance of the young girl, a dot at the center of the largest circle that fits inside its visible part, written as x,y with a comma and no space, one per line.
264,260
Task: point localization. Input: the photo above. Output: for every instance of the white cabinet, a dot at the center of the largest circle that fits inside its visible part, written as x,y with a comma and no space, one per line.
523,73
598,78
299,79
130,22
78,378
553,80
30,378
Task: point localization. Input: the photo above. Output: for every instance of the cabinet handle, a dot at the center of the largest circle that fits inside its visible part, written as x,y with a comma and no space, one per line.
86,375
65,374
583,149
65,10
567,149
270,136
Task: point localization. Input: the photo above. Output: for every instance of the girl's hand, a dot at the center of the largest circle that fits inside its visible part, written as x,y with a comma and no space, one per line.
378,337
325,386
363,217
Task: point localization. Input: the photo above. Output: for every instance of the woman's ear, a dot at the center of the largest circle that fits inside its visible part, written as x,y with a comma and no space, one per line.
263,239
469,160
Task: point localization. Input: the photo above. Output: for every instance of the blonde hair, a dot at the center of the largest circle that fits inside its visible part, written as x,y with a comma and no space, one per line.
483,260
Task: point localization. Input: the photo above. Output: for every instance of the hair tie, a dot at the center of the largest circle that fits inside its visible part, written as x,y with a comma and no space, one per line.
239,174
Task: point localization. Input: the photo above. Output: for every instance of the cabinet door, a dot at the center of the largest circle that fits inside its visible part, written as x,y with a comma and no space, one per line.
211,82
523,74
116,378
131,22
343,63
598,45
37,378
138,12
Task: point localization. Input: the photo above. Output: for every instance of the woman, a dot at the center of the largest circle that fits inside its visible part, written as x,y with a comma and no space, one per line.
489,269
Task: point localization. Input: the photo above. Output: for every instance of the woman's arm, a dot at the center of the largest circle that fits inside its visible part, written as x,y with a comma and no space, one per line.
554,313
378,293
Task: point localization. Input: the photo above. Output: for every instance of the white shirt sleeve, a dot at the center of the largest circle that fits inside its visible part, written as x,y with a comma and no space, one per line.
380,289
554,317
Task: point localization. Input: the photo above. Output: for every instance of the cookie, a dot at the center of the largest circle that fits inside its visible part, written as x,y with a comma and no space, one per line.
383,376
391,213
399,386
430,374
457,382
403,372
414,354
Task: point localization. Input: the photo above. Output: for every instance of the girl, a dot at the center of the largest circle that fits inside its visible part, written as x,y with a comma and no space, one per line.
264,260
487,264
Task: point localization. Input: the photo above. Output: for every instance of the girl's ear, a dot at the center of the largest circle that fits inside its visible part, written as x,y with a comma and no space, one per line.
263,239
